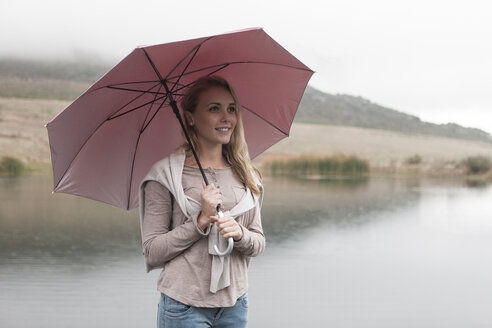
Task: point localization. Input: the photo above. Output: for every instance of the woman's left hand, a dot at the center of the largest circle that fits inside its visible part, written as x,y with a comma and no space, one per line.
228,227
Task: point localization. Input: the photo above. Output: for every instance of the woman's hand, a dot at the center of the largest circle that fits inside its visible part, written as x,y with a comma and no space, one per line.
209,198
228,227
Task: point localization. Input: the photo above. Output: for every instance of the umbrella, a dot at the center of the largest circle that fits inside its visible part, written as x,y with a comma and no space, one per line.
104,143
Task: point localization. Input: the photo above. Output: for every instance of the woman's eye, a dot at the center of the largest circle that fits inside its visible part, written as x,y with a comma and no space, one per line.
213,108
232,109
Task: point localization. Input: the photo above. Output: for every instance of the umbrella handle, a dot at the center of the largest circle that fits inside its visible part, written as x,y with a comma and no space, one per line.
230,240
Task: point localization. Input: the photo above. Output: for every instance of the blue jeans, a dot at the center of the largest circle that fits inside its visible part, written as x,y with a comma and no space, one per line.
173,314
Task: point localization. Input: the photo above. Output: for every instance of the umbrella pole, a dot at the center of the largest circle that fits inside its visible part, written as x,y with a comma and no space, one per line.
219,212
174,106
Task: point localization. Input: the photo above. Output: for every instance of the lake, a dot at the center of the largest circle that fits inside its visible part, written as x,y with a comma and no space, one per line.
381,252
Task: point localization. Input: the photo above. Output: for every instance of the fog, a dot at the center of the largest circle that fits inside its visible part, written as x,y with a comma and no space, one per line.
426,58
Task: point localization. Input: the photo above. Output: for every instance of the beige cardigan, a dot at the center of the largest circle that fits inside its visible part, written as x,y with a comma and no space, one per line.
173,240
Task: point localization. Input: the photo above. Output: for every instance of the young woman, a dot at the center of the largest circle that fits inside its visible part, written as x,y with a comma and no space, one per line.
179,219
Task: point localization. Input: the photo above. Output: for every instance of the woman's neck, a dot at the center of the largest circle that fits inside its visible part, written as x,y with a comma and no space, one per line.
211,157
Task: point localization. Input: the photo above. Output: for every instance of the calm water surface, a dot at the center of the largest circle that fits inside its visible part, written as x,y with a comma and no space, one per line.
376,253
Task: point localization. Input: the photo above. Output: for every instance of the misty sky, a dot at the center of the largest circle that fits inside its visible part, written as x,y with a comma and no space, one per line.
428,58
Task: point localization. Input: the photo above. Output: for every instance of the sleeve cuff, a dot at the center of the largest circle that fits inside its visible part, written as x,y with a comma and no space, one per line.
205,232
244,240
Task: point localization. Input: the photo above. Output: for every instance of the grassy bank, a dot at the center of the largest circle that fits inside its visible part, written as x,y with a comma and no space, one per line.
10,166
478,169
13,167
477,165
475,170
318,166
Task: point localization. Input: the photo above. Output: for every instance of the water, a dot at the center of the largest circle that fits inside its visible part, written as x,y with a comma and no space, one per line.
375,253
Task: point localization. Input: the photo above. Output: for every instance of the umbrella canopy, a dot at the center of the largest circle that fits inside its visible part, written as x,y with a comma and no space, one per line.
104,143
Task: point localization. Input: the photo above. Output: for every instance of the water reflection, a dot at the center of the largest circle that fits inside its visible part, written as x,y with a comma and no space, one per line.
295,205
35,223
396,252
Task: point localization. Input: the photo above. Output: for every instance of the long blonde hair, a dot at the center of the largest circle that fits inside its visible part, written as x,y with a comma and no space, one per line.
236,151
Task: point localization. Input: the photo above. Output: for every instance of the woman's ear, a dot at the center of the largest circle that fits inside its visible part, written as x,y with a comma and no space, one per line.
189,118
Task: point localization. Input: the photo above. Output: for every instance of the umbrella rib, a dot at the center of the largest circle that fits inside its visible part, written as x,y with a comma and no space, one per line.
131,110
168,94
195,50
265,120
136,147
135,90
128,103
158,109
240,62
163,81
184,86
124,83
159,76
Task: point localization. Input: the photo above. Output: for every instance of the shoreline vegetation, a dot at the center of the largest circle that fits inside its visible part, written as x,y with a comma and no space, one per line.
315,166
11,166
475,170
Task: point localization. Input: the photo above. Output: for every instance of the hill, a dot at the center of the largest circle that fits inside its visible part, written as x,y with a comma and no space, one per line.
322,108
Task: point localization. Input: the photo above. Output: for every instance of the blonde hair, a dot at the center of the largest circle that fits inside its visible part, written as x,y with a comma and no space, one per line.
236,151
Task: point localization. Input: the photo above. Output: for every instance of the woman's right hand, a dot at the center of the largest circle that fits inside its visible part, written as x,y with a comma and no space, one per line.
210,198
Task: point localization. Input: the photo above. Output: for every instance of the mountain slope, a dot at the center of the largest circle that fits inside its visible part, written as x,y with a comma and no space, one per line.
346,110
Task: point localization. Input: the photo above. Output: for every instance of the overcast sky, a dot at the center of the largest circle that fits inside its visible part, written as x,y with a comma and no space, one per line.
428,58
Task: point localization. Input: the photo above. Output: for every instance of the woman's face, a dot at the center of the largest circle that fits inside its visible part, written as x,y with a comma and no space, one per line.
214,117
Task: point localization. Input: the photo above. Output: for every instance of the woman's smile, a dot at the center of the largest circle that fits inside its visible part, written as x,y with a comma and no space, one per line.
223,129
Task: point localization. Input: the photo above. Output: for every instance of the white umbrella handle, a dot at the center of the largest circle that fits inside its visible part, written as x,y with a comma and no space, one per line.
231,242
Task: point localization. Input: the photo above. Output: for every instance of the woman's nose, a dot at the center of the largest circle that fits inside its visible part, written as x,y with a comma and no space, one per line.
226,116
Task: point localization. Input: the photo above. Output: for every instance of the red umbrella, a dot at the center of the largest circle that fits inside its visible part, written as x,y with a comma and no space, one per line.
104,143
